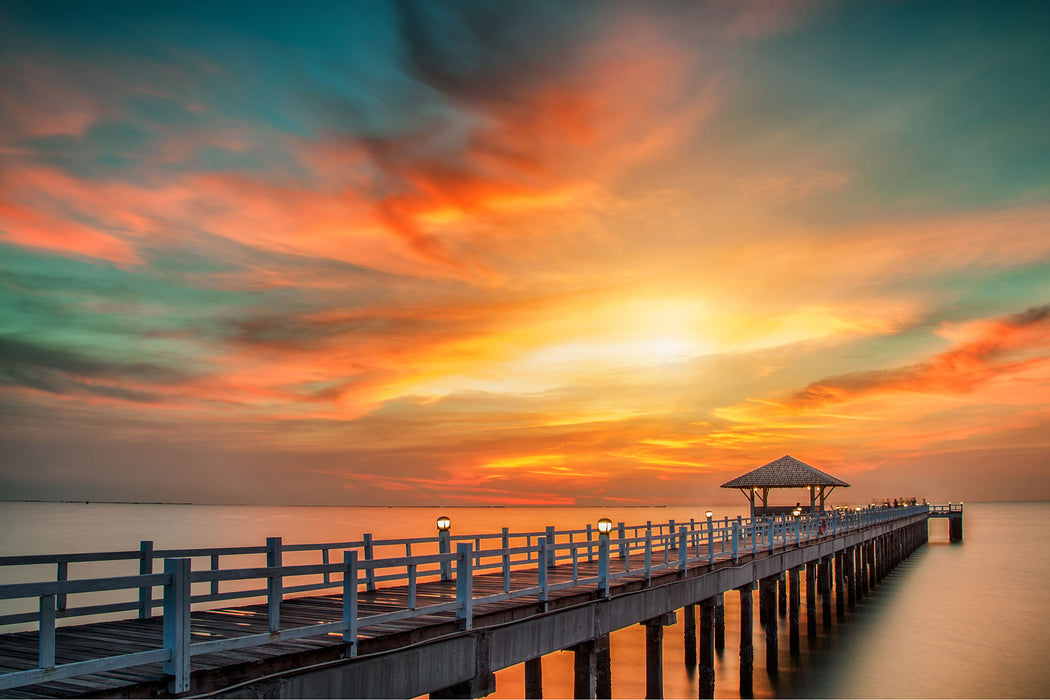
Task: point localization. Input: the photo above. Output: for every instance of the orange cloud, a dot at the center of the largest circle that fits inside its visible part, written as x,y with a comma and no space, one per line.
1000,347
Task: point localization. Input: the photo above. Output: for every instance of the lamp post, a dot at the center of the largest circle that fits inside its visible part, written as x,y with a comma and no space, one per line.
444,524
604,528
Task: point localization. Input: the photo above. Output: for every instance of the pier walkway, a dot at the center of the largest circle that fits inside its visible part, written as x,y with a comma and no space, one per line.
438,615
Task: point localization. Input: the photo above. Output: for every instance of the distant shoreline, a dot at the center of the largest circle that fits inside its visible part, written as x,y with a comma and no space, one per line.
308,505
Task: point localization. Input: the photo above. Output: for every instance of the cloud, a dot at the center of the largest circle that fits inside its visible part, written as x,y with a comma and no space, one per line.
67,373
1000,347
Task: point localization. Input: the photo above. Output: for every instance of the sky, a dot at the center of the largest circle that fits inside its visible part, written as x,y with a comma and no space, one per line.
499,253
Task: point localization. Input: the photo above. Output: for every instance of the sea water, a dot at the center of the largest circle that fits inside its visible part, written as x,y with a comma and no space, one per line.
965,619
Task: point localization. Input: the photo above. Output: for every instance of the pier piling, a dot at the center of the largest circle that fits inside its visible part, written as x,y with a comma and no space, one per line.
811,600
706,671
654,656
689,634
767,598
793,606
825,591
747,647
603,668
534,678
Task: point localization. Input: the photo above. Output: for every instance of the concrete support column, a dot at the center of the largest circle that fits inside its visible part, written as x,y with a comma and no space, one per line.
720,622
811,600
824,572
871,565
794,603
706,671
767,597
747,648
585,670
858,571
840,586
782,596
851,577
654,658
690,637
603,668
534,678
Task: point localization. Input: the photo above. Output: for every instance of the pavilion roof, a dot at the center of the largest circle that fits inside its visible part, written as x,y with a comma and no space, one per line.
786,472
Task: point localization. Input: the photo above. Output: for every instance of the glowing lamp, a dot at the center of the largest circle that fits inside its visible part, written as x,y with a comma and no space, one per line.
604,526
709,514
858,509
444,523
797,512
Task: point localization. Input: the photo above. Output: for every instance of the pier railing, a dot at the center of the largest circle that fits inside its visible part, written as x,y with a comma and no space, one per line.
635,551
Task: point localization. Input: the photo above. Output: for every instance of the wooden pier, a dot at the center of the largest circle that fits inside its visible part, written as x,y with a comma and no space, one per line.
441,614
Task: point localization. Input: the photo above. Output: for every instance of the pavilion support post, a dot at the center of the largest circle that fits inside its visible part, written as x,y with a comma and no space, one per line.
707,648
767,599
747,648
690,636
840,587
811,600
534,678
793,606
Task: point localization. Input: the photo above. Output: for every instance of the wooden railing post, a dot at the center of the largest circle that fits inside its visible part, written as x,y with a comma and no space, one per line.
444,547
145,569
710,541
671,530
465,585
506,560
370,572
47,632
622,535
541,568
683,552
177,623
550,545
590,548
736,540
274,583
603,565
648,552
350,600
62,575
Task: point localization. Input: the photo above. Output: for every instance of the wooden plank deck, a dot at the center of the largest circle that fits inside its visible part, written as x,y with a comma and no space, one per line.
18,651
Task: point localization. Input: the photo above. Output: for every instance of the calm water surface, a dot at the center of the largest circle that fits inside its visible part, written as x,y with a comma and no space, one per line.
968,619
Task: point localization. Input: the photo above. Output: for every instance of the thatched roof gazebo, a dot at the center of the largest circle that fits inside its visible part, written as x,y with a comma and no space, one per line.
784,473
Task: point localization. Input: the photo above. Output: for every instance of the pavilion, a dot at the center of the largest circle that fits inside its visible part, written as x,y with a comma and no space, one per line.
784,473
